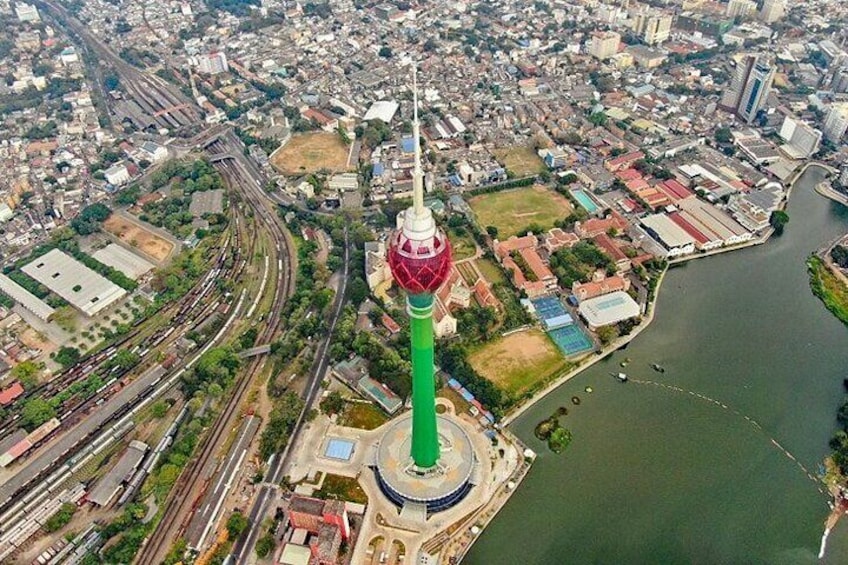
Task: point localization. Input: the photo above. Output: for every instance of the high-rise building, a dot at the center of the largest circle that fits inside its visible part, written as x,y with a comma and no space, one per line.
749,88
740,8
604,45
414,468
213,63
802,139
772,10
839,84
651,27
836,122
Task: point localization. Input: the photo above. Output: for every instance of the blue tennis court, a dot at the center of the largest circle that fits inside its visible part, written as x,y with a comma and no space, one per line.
340,449
552,313
585,200
571,340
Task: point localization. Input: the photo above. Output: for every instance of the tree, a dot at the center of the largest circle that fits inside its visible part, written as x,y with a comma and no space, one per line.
333,403
358,291
598,119
265,545
778,221
27,373
236,524
385,52
88,221
67,356
607,333
492,231
723,135
35,412
840,256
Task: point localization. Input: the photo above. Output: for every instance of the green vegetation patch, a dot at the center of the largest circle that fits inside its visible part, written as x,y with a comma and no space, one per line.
58,520
513,212
337,487
462,245
552,432
361,415
519,363
827,287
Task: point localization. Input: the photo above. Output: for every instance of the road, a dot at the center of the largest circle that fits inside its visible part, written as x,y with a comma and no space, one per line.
280,462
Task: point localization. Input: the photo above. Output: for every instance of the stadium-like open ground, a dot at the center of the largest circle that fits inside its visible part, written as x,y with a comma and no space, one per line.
519,362
135,234
511,211
310,153
521,160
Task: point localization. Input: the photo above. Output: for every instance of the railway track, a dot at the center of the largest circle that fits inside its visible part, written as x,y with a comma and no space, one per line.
179,312
189,487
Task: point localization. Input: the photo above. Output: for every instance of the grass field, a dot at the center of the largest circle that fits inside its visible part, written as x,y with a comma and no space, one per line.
363,416
337,487
132,233
310,153
519,362
522,161
462,245
512,211
490,271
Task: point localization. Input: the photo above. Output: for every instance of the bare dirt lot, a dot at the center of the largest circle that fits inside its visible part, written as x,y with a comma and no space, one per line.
518,362
135,234
310,153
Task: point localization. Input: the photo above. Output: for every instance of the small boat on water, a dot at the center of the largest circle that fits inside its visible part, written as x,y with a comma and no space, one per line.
620,376
658,368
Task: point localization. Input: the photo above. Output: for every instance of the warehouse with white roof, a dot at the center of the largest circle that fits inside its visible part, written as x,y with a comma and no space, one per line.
672,237
25,298
608,309
81,287
123,260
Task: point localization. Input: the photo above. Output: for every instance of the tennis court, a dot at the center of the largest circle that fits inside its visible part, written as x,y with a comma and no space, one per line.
552,313
571,340
339,449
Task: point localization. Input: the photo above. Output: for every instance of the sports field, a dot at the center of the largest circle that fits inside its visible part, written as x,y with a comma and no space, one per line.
135,234
519,362
310,153
511,211
521,160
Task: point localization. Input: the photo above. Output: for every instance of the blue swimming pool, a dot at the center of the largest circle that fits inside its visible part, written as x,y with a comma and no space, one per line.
585,201
340,449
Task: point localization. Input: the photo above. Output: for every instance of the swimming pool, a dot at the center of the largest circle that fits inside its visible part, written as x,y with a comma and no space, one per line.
585,201
340,449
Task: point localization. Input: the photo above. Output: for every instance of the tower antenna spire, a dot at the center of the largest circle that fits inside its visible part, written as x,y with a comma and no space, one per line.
417,173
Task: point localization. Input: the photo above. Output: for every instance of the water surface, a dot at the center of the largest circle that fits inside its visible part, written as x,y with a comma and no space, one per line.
659,476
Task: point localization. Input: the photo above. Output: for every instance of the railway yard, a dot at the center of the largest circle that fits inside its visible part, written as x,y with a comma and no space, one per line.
53,463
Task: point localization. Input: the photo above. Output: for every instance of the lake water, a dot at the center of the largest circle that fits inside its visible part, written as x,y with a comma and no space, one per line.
660,476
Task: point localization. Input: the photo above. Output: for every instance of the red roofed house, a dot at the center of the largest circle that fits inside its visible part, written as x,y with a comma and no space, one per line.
597,226
390,324
599,287
609,246
623,161
674,190
11,393
557,238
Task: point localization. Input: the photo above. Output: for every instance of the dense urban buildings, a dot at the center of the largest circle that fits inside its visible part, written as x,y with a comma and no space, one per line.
253,275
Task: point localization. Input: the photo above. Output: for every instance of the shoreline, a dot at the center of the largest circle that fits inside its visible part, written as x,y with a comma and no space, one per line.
521,408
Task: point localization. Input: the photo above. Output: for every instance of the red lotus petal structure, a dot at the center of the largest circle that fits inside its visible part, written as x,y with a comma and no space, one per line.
419,266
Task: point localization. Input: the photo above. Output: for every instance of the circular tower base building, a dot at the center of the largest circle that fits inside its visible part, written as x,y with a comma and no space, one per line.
438,488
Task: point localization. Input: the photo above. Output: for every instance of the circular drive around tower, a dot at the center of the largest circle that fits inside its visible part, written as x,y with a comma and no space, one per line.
439,488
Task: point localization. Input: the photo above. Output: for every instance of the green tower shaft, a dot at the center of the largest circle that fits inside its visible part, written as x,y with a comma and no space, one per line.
425,437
